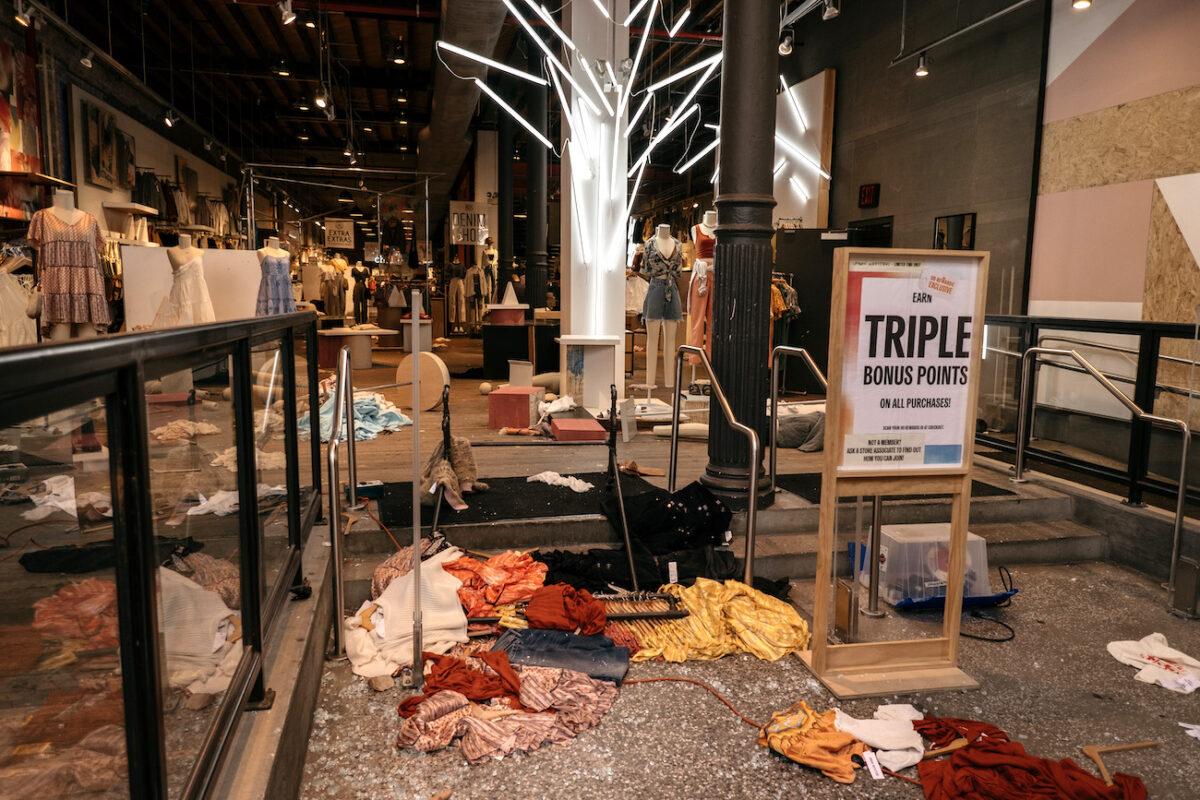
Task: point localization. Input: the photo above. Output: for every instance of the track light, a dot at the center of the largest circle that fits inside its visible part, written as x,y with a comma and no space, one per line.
786,39
86,60
344,197
223,155
398,55
281,69
922,67
286,15
24,16
170,118
402,96
832,10
303,136
348,151
321,99
208,144
356,211
311,24
1081,5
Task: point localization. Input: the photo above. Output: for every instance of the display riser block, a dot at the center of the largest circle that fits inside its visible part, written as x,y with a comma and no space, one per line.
930,677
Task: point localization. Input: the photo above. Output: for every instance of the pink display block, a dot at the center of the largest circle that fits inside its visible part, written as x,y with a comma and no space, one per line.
514,406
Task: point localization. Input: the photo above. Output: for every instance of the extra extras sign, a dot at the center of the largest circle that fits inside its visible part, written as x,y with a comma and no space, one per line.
909,335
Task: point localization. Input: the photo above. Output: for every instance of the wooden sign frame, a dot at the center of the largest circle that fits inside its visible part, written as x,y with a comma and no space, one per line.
869,669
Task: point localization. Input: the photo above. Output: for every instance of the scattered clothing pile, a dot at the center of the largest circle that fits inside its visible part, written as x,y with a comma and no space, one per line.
373,415
501,580
182,430
723,618
596,656
223,502
530,707
400,563
1159,663
564,608
59,495
663,522
262,459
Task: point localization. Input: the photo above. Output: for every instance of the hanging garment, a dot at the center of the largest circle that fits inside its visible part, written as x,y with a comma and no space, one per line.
700,304
188,302
333,294
1159,663
635,294
362,293
457,302
69,274
476,294
16,328
275,288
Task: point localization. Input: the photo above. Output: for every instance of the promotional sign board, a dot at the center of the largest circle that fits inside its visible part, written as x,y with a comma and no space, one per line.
339,233
906,335
469,223
906,362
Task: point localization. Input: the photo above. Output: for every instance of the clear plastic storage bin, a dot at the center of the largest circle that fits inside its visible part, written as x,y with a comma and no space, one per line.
914,560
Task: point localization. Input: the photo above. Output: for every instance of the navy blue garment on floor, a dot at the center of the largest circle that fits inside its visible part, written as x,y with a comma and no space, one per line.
595,656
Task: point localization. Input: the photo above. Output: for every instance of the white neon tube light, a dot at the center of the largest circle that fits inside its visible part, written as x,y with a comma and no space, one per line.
634,12
591,73
795,182
603,10
637,59
712,127
794,104
453,48
572,125
612,75
664,133
779,166
548,18
807,159
679,22
708,149
633,121
513,113
683,73
716,174
708,73
550,55
636,185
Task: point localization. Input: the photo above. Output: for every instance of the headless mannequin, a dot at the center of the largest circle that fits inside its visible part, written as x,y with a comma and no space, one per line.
183,252
272,248
699,327
666,244
63,207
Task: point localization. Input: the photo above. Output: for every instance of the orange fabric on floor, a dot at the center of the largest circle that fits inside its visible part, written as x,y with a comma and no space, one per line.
448,672
564,608
811,739
499,581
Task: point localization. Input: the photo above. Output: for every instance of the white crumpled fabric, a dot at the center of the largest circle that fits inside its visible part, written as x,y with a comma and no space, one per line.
1160,663
387,648
196,626
223,503
60,496
890,733
554,479
546,408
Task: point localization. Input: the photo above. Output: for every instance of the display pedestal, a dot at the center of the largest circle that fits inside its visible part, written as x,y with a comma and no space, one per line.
589,369
504,343
330,343
426,343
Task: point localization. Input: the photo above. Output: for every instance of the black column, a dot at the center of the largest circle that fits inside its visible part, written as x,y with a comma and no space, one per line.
535,240
742,293
504,174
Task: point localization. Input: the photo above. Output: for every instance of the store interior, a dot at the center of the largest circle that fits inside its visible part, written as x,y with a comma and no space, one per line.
581,301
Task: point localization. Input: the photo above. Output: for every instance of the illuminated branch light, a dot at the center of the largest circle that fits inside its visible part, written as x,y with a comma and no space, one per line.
794,104
713,127
553,58
795,182
512,112
708,73
546,16
591,73
634,12
716,174
603,10
679,22
612,76
779,166
636,185
683,73
711,146
664,133
637,59
641,110
796,151
489,62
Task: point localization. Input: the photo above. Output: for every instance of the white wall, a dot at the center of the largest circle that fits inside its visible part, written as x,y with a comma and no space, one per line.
153,151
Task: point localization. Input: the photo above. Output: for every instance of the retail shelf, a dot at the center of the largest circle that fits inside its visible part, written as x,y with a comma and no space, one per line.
131,208
37,177
197,228
135,242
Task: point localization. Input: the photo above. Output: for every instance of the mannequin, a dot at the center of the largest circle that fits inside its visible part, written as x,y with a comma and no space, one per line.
700,295
661,263
68,241
188,302
362,292
490,261
456,296
275,288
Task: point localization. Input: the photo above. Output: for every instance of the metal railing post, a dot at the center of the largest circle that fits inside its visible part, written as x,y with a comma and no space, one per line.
1023,412
751,438
335,495
873,548
782,350
414,307
345,367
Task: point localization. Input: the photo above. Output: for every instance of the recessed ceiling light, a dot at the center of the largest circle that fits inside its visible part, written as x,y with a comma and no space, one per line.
310,23
303,136
344,197
1081,5
368,129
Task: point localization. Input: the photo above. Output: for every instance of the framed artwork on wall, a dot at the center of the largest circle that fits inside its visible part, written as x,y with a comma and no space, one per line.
99,146
954,232
126,160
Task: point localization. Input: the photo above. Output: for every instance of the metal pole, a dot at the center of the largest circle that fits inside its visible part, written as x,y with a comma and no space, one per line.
418,675
1023,414
351,460
872,609
774,460
1180,500
428,245
675,407
335,503
251,238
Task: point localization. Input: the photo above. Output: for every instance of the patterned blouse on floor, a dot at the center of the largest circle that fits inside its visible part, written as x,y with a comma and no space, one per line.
69,271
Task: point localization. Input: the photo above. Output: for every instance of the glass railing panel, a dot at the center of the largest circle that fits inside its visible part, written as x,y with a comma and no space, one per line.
267,373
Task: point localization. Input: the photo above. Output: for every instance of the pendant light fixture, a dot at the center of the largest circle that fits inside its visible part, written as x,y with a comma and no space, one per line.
170,118
86,60
281,69
399,54
344,197
832,10
922,67
23,15
286,14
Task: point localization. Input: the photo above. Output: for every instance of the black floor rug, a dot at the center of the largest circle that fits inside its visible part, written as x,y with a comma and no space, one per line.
808,486
508,498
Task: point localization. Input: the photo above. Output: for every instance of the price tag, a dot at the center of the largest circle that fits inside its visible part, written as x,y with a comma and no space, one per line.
672,572
869,758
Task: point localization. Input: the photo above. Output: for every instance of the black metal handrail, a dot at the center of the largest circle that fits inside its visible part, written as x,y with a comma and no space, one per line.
51,378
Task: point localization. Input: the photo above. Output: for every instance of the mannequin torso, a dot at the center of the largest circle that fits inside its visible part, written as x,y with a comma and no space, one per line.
183,253
64,208
272,249
664,241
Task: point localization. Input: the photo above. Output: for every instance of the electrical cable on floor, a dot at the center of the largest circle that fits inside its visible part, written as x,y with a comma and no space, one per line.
712,690
1006,580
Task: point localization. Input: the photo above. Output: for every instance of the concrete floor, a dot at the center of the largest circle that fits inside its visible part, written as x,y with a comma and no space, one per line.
1054,688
